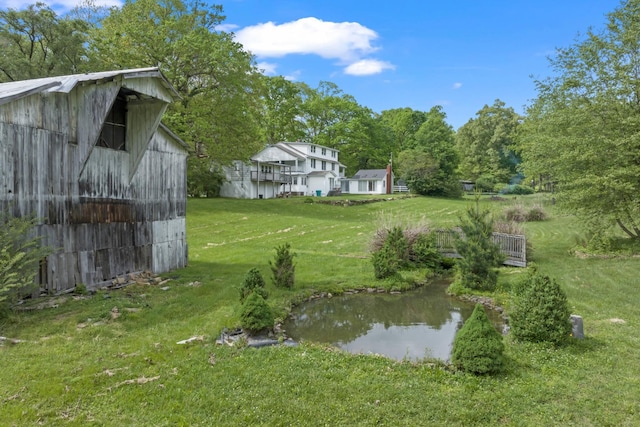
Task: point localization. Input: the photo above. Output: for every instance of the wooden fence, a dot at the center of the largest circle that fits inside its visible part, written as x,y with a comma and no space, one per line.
513,246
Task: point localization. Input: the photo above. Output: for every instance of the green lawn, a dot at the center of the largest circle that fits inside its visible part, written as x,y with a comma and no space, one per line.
81,364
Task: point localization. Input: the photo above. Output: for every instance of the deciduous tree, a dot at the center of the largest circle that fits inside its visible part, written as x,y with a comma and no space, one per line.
429,165
35,42
485,143
216,78
584,127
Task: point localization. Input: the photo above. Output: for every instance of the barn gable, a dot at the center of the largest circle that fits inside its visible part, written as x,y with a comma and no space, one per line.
88,156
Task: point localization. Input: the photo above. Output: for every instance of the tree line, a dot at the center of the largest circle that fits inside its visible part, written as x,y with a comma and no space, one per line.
579,137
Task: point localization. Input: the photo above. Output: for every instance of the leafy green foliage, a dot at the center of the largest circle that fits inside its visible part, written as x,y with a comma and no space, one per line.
253,282
397,249
485,143
203,178
583,130
256,315
486,183
423,252
478,347
335,119
541,312
282,107
480,256
516,189
392,256
398,244
20,255
219,85
38,43
402,124
429,163
385,262
282,267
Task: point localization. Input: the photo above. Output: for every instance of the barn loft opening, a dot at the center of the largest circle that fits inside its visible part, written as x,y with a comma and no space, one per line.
114,129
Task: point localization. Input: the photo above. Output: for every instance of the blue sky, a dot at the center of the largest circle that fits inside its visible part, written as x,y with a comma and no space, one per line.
460,54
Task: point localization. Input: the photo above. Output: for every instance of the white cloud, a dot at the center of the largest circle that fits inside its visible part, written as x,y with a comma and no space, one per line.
226,28
293,76
457,85
346,41
366,67
267,68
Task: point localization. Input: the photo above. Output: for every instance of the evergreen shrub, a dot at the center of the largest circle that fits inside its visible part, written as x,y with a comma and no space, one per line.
485,183
517,189
478,347
385,262
480,256
282,267
20,256
540,312
424,251
256,314
253,282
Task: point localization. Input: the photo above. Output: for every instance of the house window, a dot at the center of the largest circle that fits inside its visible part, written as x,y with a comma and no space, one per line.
115,126
324,151
362,186
295,180
331,183
324,165
303,180
313,148
333,166
372,186
333,154
313,163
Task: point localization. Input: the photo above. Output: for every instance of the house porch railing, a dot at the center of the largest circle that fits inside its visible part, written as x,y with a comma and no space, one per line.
513,246
271,177
400,189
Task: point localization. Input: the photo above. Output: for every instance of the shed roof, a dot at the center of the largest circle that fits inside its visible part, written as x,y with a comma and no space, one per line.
19,89
370,174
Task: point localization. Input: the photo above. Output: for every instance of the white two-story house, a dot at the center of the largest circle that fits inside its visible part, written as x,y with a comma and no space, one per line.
285,168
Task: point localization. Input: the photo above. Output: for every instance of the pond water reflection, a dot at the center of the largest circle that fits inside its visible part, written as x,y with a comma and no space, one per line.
412,325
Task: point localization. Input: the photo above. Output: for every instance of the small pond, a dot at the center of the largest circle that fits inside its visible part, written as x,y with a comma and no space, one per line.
413,325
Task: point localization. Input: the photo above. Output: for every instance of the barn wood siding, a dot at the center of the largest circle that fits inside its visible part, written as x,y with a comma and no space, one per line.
105,212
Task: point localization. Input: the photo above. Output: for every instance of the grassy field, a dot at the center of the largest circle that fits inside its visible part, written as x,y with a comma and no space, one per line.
112,358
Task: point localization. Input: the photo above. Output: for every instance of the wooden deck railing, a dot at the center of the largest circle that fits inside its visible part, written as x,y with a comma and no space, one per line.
513,246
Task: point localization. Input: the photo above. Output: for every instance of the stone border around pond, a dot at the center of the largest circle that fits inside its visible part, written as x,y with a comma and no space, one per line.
357,202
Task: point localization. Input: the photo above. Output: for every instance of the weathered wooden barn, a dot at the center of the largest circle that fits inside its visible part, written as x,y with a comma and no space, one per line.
87,155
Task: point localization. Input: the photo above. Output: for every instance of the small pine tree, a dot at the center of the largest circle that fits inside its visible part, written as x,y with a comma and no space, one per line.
424,251
20,256
385,262
398,244
253,282
392,256
541,312
256,314
282,267
478,347
480,256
